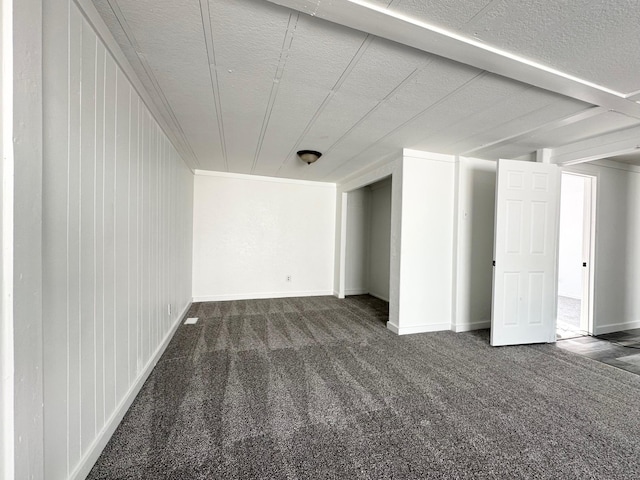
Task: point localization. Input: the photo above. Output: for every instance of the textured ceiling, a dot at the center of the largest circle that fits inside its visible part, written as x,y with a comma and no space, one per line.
244,84
595,40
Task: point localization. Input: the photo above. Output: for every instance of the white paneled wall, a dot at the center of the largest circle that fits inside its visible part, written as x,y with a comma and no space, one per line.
116,239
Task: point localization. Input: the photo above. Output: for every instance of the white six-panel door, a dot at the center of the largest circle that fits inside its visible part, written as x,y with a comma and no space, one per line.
525,253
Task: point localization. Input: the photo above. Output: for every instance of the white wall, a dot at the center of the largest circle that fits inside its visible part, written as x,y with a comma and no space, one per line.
475,231
117,238
358,235
571,237
380,239
251,232
21,422
6,323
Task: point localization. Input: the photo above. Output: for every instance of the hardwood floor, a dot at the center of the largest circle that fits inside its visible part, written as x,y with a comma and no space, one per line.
620,349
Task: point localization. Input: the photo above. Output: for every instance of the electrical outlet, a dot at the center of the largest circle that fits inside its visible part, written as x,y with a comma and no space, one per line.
288,278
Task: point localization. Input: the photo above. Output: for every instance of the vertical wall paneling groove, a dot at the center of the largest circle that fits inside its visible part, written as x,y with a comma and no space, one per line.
140,240
117,242
132,261
108,233
98,222
87,207
55,192
73,247
146,334
121,193
153,173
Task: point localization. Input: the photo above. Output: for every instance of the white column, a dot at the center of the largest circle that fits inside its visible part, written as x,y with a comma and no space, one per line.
426,261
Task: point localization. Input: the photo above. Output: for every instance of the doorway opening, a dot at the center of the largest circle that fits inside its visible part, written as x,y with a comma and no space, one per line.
368,242
575,255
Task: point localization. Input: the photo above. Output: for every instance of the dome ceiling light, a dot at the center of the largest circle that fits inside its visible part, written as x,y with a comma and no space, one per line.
309,156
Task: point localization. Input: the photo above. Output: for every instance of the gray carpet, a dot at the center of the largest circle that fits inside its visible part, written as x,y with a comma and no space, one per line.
318,388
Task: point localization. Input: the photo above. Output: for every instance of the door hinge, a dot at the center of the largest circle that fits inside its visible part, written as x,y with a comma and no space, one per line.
584,264
494,263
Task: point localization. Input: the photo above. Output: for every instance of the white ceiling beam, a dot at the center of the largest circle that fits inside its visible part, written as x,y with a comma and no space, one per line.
541,129
603,146
377,20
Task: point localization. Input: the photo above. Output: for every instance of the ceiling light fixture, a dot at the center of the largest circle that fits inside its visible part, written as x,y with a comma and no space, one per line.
309,156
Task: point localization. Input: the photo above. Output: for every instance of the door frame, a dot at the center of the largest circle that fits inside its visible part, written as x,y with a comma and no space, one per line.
588,245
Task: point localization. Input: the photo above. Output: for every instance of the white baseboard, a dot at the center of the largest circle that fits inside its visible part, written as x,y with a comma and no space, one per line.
103,437
255,296
615,327
467,327
356,291
436,327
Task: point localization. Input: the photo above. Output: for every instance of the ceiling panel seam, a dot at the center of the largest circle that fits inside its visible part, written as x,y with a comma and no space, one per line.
205,14
441,100
282,62
476,113
506,122
152,78
343,77
553,125
382,102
